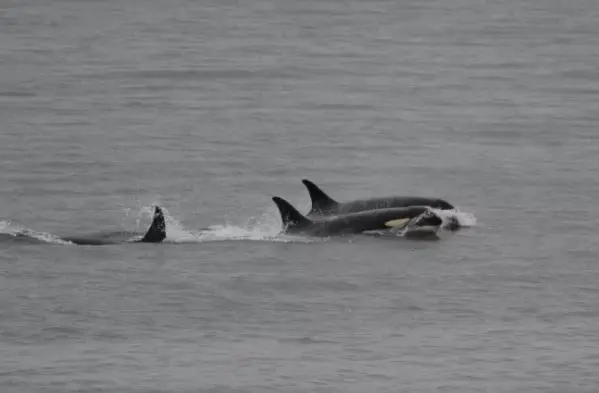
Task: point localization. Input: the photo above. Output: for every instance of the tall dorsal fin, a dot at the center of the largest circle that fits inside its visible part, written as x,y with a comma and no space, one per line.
157,231
321,202
290,216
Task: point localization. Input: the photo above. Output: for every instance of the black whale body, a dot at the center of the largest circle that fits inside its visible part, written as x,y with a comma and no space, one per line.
324,205
155,234
420,217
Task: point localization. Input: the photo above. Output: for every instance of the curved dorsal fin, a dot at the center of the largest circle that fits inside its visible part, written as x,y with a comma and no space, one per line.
157,231
290,216
321,202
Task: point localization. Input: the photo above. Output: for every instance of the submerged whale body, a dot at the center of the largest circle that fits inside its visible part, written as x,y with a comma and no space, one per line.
420,218
324,205
156,233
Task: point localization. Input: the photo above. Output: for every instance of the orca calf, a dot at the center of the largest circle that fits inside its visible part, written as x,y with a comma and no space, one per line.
420,218
155,234
323,205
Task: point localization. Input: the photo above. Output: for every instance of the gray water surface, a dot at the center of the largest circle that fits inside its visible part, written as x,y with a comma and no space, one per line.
209,108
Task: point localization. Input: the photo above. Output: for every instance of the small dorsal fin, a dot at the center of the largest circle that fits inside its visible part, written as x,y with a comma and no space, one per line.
157,231
321,202
290,216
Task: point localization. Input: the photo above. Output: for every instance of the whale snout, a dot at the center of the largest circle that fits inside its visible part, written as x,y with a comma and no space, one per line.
452,224
428,219
431,222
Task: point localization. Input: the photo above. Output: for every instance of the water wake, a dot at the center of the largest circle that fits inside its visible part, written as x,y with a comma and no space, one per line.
19,232
266,227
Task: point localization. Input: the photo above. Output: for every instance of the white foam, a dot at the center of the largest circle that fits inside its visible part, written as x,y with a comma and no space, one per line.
8,228
265,227
448,218
464,219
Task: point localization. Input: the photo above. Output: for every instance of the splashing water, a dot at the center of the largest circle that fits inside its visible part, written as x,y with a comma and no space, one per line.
266,227
449,220
18,231
450,217
465,220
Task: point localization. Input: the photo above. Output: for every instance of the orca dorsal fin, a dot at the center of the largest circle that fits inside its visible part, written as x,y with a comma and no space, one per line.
321,202
290,216
157,231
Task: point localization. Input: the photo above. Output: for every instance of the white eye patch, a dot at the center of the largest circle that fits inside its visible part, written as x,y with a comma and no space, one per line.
397,223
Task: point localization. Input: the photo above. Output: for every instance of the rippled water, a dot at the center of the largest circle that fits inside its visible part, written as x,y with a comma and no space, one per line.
210,108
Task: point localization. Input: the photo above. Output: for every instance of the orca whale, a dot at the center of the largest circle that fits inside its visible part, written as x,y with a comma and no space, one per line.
155,234
323,205
420,218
